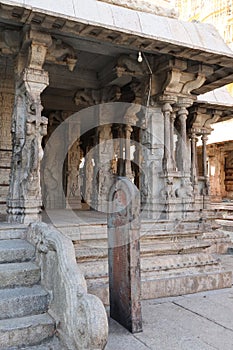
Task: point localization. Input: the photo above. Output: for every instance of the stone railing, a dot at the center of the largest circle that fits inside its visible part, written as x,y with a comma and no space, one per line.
80,317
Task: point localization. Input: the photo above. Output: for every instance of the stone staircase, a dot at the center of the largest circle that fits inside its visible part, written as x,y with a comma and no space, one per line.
174,260
24,319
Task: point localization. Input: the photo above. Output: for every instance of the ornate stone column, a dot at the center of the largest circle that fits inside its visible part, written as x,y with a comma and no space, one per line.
130,119
204,139
73,200
167,164
104,165
88,177
181,153
28,128
121,157
194,175
172,121
168,161
128,168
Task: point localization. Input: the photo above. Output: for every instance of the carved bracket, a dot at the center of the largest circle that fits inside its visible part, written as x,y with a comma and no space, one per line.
89,97
175,77
61,53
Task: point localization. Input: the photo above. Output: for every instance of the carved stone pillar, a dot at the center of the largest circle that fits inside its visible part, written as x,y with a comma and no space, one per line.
194,176
204,139
104,165
28,128
168,114
128,168
88,177
150,164
121,155
130,119
167,163
73,200
182,156
172,120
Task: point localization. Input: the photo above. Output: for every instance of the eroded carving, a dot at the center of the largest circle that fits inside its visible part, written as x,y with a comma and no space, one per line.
63,53
28,129
63,279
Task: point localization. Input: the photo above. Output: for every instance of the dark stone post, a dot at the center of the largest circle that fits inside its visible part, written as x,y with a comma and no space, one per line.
124,254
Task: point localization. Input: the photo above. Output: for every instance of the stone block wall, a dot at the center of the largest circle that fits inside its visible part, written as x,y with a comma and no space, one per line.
6,109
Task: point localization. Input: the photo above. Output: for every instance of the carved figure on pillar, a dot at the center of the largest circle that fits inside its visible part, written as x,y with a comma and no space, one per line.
89,171
106,153
74,160
28,128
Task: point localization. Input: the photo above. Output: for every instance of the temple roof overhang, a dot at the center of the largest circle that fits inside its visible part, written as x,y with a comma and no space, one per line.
98,22
220,100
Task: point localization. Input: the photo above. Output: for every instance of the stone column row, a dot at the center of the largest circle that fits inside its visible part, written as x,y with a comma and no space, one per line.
173,110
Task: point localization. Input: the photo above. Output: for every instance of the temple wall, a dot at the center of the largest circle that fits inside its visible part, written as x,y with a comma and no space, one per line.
216,172
6,108
220,170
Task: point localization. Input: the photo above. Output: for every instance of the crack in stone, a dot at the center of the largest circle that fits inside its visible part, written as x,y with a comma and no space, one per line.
196,313
142,342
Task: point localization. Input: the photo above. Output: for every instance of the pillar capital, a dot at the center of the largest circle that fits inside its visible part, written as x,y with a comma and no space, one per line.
130,116
184,102
167,99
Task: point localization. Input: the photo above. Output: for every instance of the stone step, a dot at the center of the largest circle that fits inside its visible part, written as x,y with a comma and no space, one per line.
15,250
157,271
10,231
188,283
148,248
171,285
98,231
52,344
226,224
155,265
173,265
144,236
173,247
24,301
25,331
19,274
167,236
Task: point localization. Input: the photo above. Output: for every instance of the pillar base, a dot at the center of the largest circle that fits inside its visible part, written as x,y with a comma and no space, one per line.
24,213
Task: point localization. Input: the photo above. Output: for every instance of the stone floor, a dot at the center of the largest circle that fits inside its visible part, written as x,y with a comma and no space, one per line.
202,321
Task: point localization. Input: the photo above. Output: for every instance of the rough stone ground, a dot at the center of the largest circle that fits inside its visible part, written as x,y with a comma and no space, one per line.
202,321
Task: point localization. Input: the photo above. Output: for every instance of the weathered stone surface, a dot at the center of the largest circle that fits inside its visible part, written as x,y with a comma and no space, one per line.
8,231
15,250
146,6
62,277
181,285
25,330
53,344
124,254
22,301
23,274
4,177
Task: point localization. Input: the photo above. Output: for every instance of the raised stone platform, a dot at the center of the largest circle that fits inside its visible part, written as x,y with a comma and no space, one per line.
176,257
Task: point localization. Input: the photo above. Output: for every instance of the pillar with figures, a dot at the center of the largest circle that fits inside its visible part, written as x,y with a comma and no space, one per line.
28,128
73,200
105,156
